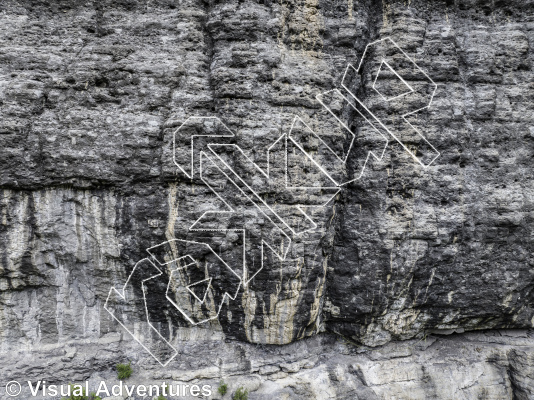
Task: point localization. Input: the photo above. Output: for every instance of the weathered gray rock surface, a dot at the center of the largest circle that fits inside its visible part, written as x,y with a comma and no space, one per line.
90,96
494,364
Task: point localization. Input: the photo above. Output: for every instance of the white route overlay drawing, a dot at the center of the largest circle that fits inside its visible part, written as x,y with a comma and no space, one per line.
200,151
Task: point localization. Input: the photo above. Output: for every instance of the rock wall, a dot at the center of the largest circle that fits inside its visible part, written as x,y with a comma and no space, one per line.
91,94
495,364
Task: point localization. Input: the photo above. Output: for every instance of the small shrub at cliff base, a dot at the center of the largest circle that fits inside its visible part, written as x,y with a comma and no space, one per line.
82,396
160,397
223,388
124,371
240,394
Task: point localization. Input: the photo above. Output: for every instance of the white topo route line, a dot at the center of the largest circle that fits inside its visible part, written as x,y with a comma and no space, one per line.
198,162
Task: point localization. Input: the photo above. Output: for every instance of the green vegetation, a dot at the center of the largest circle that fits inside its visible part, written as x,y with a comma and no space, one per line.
223,388
124,371
82,396
240,394
161,397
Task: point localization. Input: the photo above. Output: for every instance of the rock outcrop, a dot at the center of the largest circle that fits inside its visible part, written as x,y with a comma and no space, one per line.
91,94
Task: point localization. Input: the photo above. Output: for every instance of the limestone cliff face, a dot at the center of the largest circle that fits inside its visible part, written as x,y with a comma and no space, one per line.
90,96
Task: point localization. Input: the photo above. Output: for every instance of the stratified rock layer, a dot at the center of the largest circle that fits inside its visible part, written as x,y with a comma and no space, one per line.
91,93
